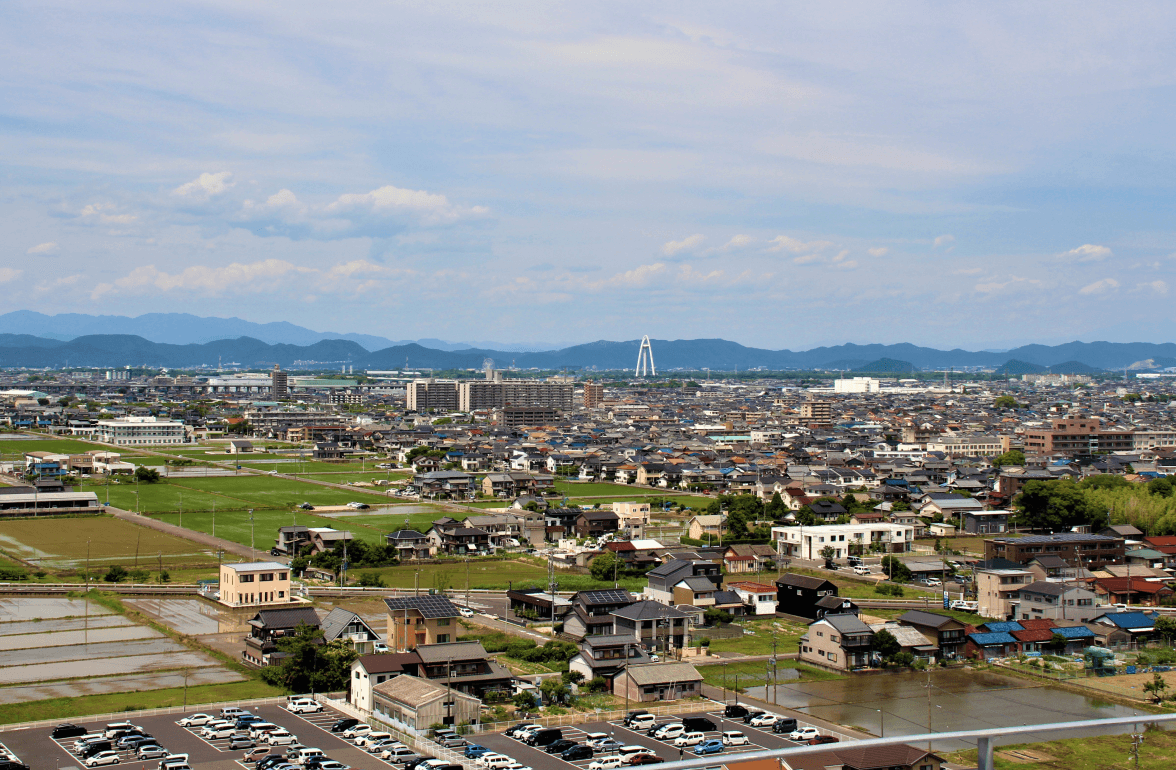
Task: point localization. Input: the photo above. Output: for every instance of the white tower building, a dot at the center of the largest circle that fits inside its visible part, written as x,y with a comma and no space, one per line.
644,354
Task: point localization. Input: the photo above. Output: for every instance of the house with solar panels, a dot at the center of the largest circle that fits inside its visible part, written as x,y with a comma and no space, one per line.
591,613
414,621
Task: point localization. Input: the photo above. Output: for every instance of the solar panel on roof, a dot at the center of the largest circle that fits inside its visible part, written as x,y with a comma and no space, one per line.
430,606
609,596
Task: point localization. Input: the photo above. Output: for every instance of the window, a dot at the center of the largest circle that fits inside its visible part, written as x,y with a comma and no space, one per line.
442,638
246,578
357,675
283,576
266,577
442,621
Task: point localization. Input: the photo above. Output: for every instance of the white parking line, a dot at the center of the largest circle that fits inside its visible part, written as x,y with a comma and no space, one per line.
329,717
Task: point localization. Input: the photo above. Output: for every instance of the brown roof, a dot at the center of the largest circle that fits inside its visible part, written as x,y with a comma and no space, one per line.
391,663
901,755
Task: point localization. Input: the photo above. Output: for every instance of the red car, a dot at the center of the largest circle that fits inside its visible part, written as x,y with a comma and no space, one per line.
822,739
645,759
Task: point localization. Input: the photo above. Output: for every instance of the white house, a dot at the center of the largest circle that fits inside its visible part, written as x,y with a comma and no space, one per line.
760,598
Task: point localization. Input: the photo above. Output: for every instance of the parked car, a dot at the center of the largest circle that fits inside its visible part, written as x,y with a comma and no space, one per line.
642,722
784,725
151,751
304,706
280,737
68,731
689,739
698,724
861,569
102,758
355,731
823,739
380,648
465,612
763,720
241,741
751,714
579,751
196,720
667,732
633,715
933,581
557,746
513,732
734,711
803,734
346,723
606,744
255,755
712,746
643,759
473,751
965,606
734,738
605,763
218,731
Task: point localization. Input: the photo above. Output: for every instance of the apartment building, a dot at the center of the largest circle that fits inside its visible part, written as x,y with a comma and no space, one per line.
279,384
844,539
430,395
966,446
267,422
816,412
1090,551
996,590
498,394
1077,436
593,395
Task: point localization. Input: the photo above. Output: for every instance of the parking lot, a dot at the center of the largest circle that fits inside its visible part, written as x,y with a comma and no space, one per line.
41,752
538,759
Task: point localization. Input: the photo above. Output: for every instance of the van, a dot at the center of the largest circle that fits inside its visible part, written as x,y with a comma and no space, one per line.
231,712
258,729
372,738
861,569
698,725
302,755
735,738
304,706
642,722
495,763
113,730
173,760
689,739
625,752
97,746
544,736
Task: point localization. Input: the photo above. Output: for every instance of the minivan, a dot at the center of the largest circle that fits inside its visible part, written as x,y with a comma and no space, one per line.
304,706
302,755
861,569
784,725
689,739
172,760
642,722
544,736
698,724
113,730
231,712
735,711
95,747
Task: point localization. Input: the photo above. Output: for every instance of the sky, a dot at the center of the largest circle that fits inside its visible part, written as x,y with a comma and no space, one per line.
785,175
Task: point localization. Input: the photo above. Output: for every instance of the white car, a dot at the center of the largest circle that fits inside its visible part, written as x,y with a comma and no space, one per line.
281,737
515,766
669,732
304,706
357,731
103,758
689,739
196,720
331,764
466,612
219,731
965,606
735,738
605,763
804,734
934,582
380,648
763,720
488,757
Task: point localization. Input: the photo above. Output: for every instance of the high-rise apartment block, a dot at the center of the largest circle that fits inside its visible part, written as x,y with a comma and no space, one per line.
432,395
593,395
279,384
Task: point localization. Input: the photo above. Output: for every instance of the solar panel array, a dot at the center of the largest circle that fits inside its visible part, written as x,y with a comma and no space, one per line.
610,596
430,606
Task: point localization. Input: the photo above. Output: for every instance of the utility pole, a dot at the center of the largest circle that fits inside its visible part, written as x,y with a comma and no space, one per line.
467,561
252,550
138,537
214,517
928,706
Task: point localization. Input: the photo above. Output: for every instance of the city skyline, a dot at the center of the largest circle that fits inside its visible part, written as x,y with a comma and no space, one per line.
787,177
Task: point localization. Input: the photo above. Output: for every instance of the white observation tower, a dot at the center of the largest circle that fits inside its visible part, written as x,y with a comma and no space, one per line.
643,355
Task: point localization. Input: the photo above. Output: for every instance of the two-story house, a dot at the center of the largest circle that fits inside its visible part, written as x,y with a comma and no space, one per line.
254,583
267,627
1043,599
291,539
944,631
596,523
747,557
345,625
605,656
673,573
996,590
654,625
759,598
409,544
456,539
798,594
837,641
591,613
414,621
464,666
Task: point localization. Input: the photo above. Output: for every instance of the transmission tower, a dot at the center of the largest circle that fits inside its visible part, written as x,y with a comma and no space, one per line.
643,355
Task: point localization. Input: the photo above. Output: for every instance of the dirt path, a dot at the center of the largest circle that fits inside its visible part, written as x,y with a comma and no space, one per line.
215,543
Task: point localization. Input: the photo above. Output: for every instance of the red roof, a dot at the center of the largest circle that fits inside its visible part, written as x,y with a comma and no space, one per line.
1036,635
1158,540
1037,624
1120,585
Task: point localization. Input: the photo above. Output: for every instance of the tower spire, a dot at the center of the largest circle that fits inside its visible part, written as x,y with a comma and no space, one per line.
643,354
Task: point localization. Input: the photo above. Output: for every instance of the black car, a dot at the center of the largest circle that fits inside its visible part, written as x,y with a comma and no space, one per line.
559,746
10,765
633,715
344,724
68,731
784,725
412,765
269,761
699,725
579,751
751,714
734,711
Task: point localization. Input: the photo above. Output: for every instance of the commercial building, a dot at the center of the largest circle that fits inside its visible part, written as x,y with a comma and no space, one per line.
857,385
844,539
254,583
1077,437
140,431
1088,551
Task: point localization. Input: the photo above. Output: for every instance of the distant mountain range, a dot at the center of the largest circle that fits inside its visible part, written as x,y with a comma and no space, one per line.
184,329
30,350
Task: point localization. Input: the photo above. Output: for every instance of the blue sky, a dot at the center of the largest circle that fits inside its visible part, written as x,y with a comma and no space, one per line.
780,174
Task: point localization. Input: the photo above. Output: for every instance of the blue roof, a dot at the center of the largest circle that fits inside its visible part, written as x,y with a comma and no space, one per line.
1004,627
1130,619
984,640
1074,632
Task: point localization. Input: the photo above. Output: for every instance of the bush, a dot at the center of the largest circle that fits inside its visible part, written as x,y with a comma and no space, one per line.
597,684
115,574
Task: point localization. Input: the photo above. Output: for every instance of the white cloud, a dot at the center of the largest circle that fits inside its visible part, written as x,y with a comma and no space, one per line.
8,274
689,243
786,243
638,277
236,278
1100,287
44,248
943,240
59,283
97,213
1087,253
1157,286
737,242
429,208
205,186
878,251
1014,283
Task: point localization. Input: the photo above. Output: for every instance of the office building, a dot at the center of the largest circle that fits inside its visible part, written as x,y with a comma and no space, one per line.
138,431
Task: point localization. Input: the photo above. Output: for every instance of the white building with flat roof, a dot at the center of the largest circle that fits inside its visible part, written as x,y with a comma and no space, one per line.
844,539
254,583
141,431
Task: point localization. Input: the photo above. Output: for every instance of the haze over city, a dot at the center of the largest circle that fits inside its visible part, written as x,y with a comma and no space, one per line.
779,175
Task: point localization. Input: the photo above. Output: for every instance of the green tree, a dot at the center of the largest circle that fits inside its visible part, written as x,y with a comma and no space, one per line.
554,691
1165,626
1105,481
572,677
371,580
827,552
1011,457
602,566
886,645
776,509
1004,402
1056,506
115,574
164,577
311,665
526,700
715,615
1156,687
1161,487
893,568
597,684
147,475
1057,642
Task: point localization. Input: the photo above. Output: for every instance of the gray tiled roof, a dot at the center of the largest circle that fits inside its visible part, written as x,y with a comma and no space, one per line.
658,673
440,653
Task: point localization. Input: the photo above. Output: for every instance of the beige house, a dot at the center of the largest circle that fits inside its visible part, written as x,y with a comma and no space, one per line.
840,642
414,621
648,682
995,588
418,703
709,524
254,583
632,514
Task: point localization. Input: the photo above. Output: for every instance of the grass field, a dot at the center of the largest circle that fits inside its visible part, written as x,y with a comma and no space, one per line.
343,478
1091,753
233,524
392,521
495,574
9,448
62,543
60,708
787,638
200,493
